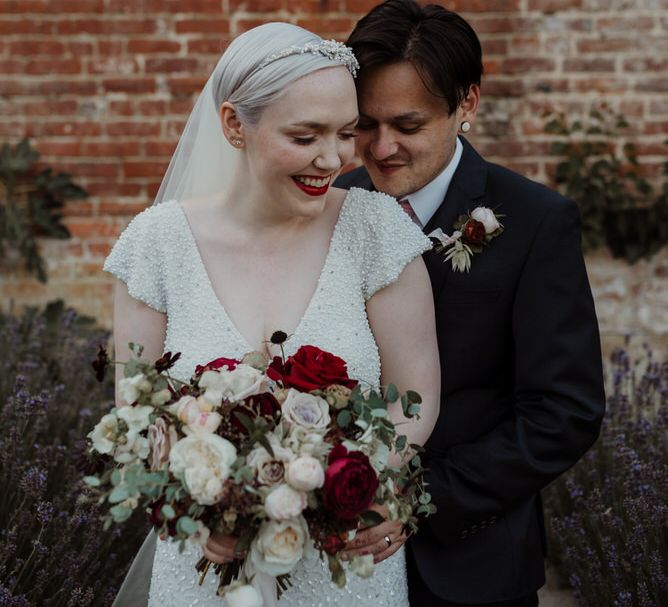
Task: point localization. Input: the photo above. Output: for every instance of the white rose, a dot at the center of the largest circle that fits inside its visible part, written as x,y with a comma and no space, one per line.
161,397
487,218
305,474
187,408
362,565
130,447
243,596
234,386
204,422
284,503
137,417
104,434
203,462
306,410
279,545
129,388
305,442
270,470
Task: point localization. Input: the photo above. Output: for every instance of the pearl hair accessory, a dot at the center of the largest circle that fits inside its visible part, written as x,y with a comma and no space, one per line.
333,50
465,126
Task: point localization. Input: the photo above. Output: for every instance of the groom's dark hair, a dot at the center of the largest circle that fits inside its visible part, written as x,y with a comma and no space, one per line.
442,46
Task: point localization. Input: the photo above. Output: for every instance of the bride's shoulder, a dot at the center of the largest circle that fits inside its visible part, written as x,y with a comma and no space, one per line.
373,208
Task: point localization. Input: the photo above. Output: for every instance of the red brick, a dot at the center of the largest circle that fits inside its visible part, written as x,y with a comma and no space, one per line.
66,87
113,188
646,64
159,148
78,48
524,65
494,46
36,47
339,27
256,6
106,26
152,108
144,45
91,169
503,25
652,85
111,148
78,208
53,66
110,47
170,65
58,148
651,149
624,24
25,26
13,130
215,46
601,85
166,6
606,45
11,66
71,129
129,85
552,6
85,227
140,129
658,106
186,85
589,65
502,88
525,44
120,209
482,6
144,169
204,26
52,7
100,249
311,6
122,108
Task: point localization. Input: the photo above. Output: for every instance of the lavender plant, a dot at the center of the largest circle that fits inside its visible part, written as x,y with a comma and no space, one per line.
608,531
53,550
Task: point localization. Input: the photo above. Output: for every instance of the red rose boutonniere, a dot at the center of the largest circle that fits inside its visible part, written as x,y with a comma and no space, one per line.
471,234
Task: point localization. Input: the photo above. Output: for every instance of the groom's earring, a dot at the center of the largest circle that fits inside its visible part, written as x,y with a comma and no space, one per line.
237,142
465,126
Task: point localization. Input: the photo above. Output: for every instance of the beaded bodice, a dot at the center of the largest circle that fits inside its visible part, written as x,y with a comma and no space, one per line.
158,259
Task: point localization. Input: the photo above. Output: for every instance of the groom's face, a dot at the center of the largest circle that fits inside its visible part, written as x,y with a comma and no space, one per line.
406,134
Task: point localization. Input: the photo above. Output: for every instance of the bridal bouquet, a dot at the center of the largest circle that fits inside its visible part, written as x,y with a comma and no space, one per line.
288,455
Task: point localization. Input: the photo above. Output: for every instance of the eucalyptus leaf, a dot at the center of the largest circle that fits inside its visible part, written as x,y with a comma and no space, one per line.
186,525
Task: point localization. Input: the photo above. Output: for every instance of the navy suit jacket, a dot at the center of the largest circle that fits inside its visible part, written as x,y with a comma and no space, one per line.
522,391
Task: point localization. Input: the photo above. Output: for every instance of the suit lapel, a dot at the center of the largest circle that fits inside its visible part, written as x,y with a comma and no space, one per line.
467,186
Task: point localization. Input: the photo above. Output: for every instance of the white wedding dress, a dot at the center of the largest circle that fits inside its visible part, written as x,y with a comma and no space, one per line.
157,258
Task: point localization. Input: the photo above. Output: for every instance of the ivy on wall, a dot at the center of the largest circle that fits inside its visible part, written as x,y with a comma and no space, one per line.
30,206
620,208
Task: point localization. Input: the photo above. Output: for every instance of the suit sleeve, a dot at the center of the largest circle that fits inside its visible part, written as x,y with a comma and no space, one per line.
559,400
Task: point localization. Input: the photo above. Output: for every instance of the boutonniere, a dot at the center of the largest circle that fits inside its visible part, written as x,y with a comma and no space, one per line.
471,234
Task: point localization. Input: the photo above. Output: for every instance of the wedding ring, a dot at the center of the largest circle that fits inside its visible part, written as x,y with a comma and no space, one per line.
388,540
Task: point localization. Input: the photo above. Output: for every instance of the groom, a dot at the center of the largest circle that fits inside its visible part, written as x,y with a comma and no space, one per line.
522,391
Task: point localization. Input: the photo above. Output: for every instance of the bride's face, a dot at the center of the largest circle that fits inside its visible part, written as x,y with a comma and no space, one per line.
303,140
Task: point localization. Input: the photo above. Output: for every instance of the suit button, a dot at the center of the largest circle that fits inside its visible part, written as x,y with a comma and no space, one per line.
474,529
463,534
483,524
492,520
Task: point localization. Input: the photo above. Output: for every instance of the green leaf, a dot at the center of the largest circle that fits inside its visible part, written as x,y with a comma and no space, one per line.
401,442
116,477
186,525
120,513
92,481
344,418
119,494
391,393
379,412
413,410
168,512
371,518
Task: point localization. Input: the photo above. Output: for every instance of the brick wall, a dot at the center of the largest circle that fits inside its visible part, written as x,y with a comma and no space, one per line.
103,87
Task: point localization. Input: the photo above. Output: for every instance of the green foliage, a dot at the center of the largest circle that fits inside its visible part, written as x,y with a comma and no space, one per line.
30,205
620,208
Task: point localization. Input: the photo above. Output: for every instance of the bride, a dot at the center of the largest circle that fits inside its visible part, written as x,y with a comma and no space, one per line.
249,237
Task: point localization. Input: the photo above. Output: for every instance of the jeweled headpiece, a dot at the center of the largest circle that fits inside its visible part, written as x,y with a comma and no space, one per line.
333,50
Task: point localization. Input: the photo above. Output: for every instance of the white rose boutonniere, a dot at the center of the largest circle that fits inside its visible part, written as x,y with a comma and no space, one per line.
471,234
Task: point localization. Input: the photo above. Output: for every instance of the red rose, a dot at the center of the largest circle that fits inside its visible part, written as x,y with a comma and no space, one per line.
214,365
310,369
474,232
350,483
259,405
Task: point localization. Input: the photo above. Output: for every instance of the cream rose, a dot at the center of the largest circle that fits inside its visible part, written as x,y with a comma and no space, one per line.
270,470
130,388
232,386
305,474
279,545
306,410
203,463
284,503
487,218
161,437
104,434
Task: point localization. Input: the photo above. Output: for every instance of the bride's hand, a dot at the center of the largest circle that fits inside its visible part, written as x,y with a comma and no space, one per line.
220,548
373,540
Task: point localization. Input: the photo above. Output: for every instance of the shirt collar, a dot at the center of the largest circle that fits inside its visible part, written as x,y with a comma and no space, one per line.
427,199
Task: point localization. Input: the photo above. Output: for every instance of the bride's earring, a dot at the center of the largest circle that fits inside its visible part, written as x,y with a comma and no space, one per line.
465,126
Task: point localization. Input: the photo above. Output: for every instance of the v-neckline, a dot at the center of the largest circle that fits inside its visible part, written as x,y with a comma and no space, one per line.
209,285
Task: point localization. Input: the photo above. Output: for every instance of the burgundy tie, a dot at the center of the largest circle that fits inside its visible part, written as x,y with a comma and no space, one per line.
406,206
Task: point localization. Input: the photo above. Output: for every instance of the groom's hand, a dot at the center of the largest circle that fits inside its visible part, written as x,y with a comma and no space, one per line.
372,540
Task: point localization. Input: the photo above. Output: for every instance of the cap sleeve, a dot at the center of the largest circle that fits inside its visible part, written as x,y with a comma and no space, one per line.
391,241
137,258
